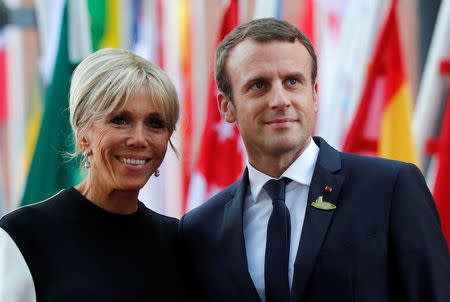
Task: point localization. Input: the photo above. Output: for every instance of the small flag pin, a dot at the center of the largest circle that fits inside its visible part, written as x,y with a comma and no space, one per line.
328,188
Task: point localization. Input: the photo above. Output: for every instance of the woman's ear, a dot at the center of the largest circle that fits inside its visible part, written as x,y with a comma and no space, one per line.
84,144
226,108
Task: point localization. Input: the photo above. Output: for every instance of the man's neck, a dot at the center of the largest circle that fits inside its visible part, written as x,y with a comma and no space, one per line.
275,165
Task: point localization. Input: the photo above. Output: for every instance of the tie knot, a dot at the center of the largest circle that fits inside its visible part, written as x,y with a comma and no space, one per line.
276,188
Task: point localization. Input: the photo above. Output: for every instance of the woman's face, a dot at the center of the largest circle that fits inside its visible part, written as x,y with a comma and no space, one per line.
128,146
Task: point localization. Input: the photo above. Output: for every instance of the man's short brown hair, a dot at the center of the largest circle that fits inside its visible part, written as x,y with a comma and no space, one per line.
260,30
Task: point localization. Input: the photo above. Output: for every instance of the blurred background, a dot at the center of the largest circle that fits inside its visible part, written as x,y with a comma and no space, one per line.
383,84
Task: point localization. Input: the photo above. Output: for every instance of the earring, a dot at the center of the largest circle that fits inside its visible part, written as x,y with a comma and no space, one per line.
157,173
87,163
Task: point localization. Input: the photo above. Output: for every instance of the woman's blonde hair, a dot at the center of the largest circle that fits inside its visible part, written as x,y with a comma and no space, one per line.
104,82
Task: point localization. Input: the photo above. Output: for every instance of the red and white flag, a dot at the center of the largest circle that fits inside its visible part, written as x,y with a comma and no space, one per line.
382,123
220,158
306,19
441,191
3,119
3,81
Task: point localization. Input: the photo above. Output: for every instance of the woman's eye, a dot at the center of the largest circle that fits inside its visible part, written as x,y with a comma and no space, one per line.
118,120
156,123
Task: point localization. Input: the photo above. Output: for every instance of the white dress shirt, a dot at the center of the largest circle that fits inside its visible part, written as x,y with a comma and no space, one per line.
258,208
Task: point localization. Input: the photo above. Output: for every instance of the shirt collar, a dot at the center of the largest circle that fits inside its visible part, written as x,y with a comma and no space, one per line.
300,171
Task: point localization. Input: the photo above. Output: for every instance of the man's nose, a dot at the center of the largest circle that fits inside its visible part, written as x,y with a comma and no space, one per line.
279,97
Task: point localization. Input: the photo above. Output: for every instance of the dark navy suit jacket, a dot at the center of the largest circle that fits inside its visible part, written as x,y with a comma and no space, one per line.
383,242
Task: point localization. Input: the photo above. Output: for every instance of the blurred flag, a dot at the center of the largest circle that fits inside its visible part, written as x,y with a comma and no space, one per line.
97,13
149,45
328,16
111,35
3,81
170,62
220,159
347,74
50,169
3,117
426,116
34,118
432,87
306,19
49,17
187,114
267,9
145,30
441,190
2,193
382,124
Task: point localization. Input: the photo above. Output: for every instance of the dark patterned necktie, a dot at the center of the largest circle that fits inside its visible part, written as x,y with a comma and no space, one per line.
277,245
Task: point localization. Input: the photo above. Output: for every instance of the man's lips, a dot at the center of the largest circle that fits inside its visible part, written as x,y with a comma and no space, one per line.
281,122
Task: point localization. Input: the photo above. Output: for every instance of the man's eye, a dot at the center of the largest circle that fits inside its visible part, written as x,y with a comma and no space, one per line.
118,120
257,86
292,82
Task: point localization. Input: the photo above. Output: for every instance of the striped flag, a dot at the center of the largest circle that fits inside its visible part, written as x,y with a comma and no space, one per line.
306,19
169,59
111,36
382,124
3,118
50,171
329,16
268,8
432,87
185,99
348,71
148,44
220,159
441,190
3,81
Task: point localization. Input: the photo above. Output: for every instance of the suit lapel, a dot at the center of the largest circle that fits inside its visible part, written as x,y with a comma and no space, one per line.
234,243
317,221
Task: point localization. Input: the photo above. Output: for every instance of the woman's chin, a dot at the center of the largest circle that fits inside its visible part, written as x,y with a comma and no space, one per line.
135,186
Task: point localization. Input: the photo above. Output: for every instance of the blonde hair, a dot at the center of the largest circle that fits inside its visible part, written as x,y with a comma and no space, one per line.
107,78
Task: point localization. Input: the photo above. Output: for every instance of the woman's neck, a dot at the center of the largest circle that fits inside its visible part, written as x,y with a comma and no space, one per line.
114,201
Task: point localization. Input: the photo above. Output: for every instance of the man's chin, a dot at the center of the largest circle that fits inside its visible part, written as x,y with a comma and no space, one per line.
280,149
287,146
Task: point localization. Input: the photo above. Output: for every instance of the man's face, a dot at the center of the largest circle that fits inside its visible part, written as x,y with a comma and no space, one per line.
274,100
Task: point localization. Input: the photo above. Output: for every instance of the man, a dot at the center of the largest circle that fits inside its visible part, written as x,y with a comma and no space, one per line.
336,226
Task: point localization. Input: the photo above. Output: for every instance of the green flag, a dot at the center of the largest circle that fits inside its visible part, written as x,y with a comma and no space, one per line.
50,169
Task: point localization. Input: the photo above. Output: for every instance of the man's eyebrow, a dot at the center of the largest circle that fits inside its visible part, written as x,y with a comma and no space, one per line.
298,75
251,80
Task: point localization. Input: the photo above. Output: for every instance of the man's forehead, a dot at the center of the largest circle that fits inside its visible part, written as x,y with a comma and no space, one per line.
258,55
248,45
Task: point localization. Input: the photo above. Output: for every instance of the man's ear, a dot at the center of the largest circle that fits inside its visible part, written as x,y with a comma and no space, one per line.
316,97
226,108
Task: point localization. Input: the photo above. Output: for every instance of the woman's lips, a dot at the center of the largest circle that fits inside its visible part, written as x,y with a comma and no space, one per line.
133,159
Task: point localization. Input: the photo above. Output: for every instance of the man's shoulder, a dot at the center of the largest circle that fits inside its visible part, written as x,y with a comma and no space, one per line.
213,206
372,164
335,160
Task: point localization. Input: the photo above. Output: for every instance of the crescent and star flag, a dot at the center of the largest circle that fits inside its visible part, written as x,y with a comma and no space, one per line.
220,158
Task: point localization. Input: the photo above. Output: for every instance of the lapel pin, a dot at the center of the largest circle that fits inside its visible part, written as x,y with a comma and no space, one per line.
323,205
328,188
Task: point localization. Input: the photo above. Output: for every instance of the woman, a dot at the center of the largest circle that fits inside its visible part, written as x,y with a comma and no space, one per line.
96,241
